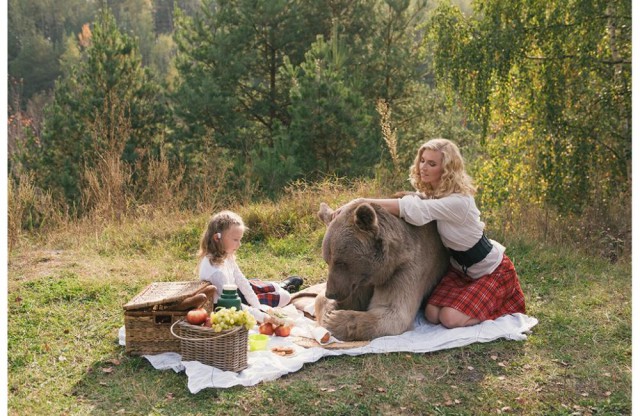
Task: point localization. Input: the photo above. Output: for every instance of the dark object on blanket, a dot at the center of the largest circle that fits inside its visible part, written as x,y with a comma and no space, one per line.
380,270
292,284
149,315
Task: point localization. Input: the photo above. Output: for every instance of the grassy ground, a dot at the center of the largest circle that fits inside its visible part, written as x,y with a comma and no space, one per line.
64,311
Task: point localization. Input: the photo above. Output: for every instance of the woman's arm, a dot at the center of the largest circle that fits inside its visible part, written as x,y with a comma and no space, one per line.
390,204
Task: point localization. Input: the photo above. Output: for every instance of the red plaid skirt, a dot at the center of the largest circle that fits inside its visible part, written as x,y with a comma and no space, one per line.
266,292
488,297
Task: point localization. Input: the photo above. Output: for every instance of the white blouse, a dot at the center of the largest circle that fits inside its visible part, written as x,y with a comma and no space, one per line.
227,273
459,226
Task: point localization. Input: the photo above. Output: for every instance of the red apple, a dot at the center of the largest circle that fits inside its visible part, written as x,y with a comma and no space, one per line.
197,316
283,330
266,328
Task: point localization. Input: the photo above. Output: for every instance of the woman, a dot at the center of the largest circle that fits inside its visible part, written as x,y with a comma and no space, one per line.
481,282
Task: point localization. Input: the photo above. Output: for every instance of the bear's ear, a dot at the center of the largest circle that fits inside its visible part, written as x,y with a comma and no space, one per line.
325,213
366,219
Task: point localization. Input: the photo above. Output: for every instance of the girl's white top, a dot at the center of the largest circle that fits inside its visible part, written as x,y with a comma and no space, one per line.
226,273
459,225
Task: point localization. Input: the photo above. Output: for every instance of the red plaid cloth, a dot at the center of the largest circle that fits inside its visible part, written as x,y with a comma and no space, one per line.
488,297
266,292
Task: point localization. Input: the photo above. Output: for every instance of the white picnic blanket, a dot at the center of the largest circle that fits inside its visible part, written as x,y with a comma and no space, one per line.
266,366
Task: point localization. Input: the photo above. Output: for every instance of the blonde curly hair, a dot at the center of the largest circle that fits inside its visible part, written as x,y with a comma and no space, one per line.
454,177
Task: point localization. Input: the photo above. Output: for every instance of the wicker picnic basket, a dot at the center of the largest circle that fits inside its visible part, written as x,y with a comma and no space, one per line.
148,317
226,350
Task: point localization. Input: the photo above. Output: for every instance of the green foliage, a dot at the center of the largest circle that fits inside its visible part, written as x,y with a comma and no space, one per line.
558,75
329,117
35,65
107,103
256,81
231,93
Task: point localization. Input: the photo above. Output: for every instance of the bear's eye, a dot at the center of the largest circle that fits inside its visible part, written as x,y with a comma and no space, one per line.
340,264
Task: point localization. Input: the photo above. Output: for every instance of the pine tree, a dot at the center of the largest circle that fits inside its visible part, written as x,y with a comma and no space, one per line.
108,101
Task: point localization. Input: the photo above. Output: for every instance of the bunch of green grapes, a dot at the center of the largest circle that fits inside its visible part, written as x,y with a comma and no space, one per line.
228,318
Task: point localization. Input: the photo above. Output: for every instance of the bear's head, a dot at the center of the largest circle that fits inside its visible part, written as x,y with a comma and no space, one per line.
359,248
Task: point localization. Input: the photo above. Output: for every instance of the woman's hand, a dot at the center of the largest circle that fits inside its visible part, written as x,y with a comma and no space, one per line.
340,209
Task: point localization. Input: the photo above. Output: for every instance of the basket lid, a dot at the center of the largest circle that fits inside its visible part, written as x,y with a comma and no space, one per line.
159,293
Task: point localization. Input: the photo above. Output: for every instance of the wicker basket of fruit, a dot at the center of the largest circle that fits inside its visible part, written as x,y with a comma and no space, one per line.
221,341
150,314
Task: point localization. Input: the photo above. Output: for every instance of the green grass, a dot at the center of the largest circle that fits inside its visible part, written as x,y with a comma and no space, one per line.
64,311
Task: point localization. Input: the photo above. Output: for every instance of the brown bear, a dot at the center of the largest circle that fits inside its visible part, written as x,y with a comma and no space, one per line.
381,268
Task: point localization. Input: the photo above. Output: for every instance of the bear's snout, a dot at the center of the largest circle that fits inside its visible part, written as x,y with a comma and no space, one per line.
333,295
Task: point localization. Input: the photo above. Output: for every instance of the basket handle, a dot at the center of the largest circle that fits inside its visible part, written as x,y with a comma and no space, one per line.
200,339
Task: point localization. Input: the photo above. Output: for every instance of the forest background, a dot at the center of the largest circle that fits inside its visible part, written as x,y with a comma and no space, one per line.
124,108
130,121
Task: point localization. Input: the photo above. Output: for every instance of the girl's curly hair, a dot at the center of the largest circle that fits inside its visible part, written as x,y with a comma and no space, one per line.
454,177
219,223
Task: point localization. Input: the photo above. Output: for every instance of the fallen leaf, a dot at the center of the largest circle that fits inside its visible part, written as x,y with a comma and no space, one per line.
470,368
107,370
560,362
114,361
501,364
169,396
62,358
607,393
381,390
494,357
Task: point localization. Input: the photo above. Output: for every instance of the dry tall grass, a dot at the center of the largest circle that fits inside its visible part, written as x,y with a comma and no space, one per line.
31,210
603,231
389,134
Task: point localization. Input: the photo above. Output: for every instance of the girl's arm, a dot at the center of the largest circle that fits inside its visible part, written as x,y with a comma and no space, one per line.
213,275
244,287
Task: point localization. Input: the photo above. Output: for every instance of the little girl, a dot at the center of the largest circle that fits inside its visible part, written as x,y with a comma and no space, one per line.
217,265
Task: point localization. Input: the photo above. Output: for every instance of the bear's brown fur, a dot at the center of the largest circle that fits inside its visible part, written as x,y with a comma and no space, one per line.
380,270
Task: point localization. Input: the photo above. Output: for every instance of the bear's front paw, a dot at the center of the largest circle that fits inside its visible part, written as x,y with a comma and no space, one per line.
347,325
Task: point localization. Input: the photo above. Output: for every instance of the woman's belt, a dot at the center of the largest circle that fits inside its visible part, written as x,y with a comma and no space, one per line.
474,255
